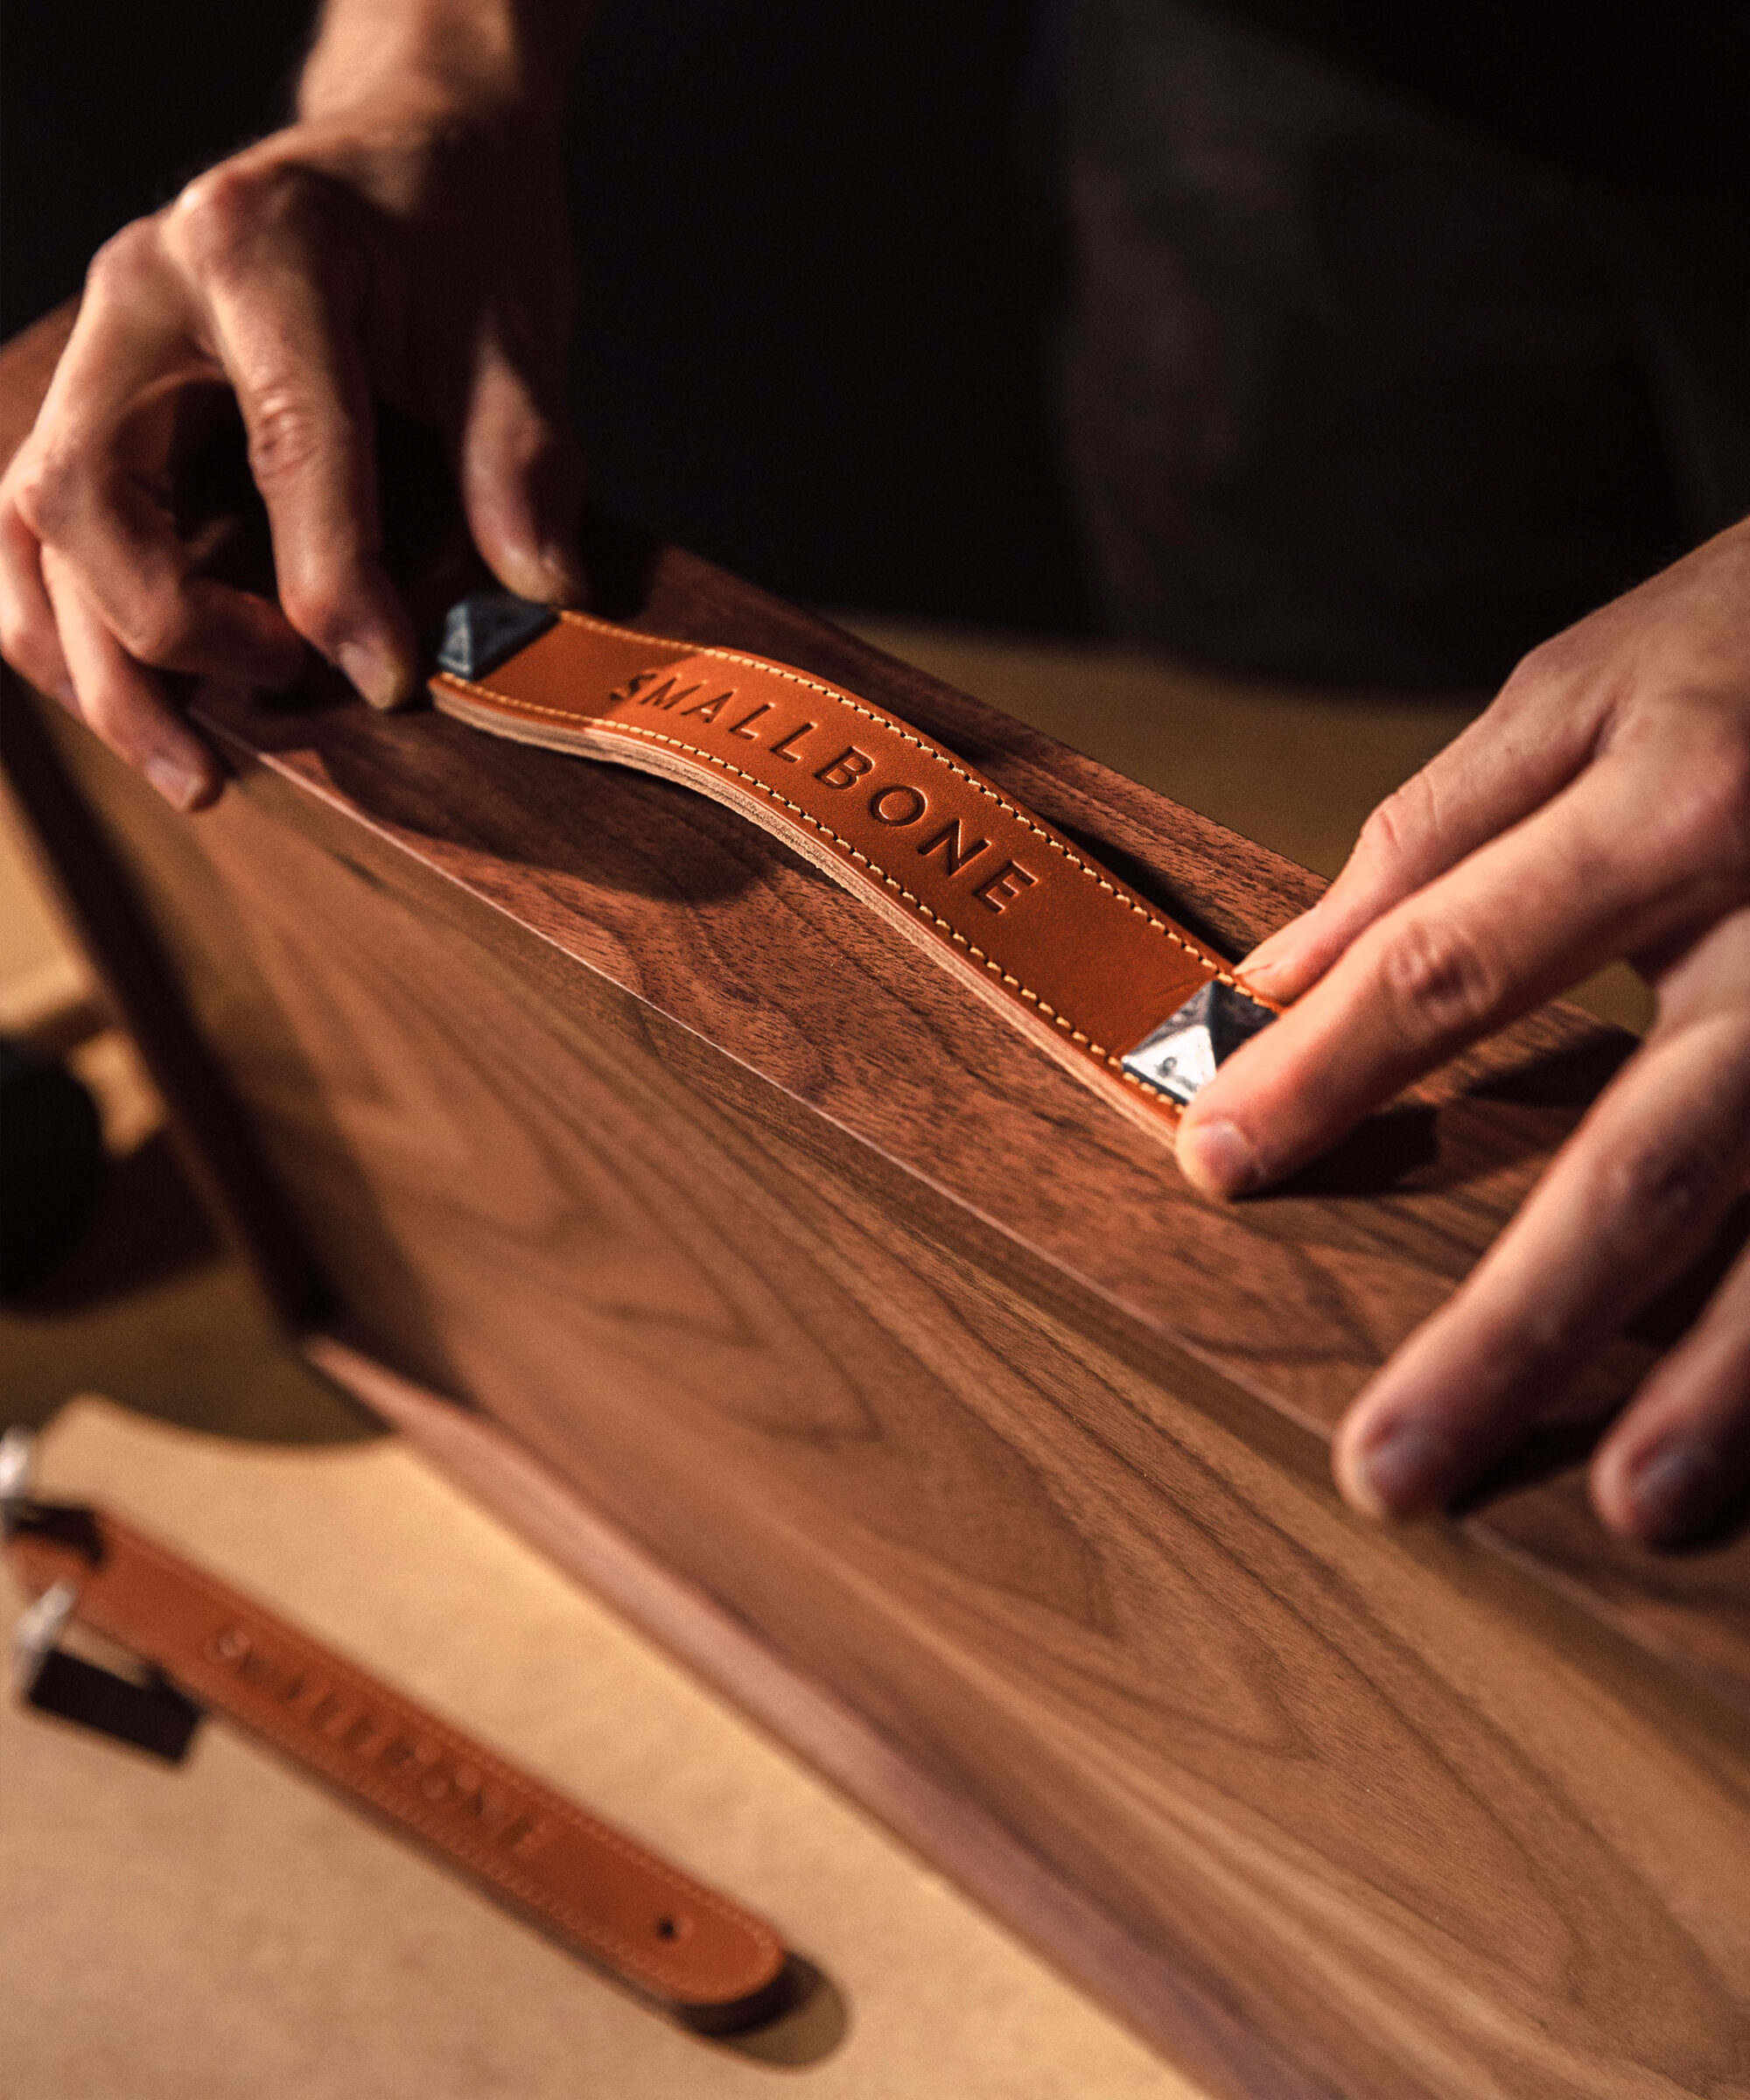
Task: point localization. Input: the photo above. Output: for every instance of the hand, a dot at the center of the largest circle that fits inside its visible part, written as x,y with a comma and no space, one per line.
408,242
1600,808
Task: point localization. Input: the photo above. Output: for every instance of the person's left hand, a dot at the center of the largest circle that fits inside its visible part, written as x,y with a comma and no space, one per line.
1600,810
404,239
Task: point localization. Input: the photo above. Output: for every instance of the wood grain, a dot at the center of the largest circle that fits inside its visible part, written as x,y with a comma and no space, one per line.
1579,1752
1297,1296
867,1324
1346,1824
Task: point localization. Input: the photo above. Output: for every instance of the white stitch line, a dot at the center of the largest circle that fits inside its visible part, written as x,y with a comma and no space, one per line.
491,1864
909,736
657,736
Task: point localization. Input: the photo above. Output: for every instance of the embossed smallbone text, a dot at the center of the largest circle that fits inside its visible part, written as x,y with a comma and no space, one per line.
416,1761
900,806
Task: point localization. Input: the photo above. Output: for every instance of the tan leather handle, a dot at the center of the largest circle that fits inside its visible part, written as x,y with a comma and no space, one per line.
587,1883
1020,915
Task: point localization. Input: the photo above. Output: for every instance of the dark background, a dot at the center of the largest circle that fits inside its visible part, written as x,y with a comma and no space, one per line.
105,111
818,276
808,338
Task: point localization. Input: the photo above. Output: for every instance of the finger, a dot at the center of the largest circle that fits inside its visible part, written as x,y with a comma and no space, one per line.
284,324
1629,1202
75,491
28,638
123,703
521,481
1514,924
1676,1466
1507,764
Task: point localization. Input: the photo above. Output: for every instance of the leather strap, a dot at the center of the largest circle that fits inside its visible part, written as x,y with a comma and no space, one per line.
588,1884
1020,915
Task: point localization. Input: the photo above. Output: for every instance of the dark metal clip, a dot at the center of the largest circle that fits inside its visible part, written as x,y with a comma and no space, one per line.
150,1713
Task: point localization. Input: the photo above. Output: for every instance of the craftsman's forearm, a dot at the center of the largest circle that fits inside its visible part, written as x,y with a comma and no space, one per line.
511,55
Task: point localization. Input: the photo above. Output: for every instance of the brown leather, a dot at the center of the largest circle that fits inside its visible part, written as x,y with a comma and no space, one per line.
587,1883
1021,914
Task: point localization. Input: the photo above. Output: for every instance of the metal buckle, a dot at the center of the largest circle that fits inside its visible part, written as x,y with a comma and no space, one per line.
36,1631
150,1713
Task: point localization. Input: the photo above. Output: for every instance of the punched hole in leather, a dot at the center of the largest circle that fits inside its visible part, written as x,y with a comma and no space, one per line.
200,1645
1132,1004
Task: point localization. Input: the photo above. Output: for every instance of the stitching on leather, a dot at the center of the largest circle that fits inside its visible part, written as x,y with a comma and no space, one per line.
909,736
892,882
1145,1086
491,1865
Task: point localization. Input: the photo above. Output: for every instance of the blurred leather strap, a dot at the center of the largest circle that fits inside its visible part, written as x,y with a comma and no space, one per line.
1019,913
588,1884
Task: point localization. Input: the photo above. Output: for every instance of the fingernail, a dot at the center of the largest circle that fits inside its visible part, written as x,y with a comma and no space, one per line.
1262,976
1670,1487
1220,1159
174,781
372,673
1403,1473
1262,959
1271,951
565,571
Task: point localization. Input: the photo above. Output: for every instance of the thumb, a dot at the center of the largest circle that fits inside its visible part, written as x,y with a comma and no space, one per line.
520,478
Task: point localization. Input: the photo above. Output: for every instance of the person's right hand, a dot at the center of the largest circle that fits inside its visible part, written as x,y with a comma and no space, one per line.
410,244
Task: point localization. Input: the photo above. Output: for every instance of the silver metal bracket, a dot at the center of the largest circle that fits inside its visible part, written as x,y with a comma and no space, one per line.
1182,1056
150,1714
148,1711
38,1628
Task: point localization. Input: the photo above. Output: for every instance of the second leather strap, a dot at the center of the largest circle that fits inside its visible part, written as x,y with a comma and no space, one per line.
588,1883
